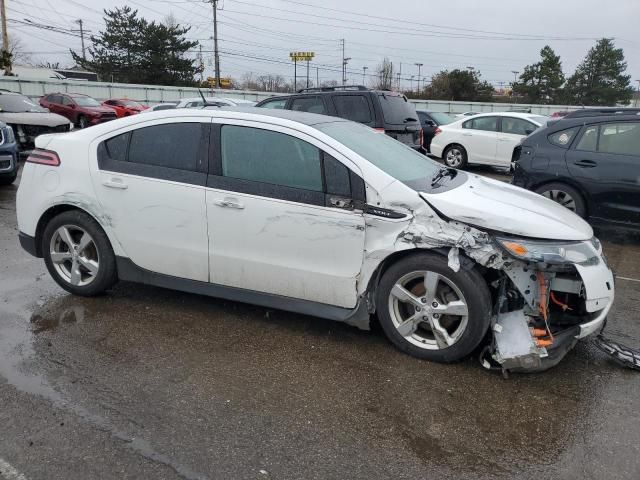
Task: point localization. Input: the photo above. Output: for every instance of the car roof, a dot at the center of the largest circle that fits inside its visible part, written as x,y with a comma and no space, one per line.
567,122
505,114
305,118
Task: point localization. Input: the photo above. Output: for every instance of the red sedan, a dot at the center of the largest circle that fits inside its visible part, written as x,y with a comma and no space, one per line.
125,107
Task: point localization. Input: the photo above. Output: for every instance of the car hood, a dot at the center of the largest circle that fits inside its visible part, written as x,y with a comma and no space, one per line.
46,119
498,206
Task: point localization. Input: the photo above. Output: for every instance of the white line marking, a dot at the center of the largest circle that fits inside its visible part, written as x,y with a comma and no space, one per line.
9,473
627,278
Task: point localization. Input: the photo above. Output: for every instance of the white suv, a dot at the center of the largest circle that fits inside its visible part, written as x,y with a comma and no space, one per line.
320,216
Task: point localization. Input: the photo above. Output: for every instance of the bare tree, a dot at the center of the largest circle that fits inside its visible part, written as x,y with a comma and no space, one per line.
384,71
17,51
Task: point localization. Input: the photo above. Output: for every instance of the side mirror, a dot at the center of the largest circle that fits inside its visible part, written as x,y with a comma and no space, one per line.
431,123
529,131
73,106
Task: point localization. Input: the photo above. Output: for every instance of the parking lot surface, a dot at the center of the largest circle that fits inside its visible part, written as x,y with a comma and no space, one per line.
151,383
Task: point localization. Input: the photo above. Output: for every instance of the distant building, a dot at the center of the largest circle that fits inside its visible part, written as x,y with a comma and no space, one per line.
39,73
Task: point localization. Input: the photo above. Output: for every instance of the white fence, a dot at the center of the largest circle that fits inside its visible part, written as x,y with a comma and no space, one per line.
157,94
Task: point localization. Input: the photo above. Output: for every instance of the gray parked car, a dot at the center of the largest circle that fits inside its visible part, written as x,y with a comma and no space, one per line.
28,119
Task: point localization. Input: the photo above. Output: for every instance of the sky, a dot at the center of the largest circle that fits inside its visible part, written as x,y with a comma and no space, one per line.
496,37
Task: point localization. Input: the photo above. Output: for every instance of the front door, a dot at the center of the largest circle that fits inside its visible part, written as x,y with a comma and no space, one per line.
606,158
512,131
479,138
150,182
282,218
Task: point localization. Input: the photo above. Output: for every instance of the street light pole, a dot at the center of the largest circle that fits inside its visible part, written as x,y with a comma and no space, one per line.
411,88
216,53
364,74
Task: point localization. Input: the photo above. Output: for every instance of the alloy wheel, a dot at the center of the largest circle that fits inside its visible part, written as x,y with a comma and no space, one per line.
428,310
454,157
561,197
74,255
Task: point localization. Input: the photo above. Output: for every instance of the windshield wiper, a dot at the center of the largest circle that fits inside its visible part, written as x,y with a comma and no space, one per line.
443,172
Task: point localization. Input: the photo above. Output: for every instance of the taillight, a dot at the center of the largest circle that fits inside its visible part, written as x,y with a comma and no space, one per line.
381,130
44,157
421,137
437,131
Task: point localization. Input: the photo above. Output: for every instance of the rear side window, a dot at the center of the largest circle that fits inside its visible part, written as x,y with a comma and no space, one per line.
308,104
620,138
277,104
173,145
517,126
563,138
488,124
397,110
270,157
589,140
353,107
116,148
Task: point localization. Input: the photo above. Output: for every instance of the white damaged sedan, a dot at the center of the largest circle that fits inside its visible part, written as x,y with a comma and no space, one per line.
320,216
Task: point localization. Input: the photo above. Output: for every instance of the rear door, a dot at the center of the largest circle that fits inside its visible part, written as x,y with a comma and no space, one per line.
150,181
512,131
282,214
480,138
606,160
309,103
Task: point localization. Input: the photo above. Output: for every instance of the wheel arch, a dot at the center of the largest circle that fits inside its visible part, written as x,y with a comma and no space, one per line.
56,210
571,183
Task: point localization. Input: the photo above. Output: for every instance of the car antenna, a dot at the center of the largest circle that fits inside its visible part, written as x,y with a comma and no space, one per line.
205,102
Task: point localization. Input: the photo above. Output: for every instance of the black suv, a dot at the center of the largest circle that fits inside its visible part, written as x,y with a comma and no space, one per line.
589,161
386,111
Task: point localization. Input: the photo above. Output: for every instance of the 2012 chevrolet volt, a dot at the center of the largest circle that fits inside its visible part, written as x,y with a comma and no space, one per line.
320,216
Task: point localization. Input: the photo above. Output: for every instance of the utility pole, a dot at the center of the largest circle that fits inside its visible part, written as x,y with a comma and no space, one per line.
80,22
344,69
364,74
317,77
419,65
5,39
411,89
200,66
513,85
216,53
400,78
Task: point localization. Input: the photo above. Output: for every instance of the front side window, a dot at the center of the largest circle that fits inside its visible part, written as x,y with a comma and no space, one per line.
276,104
67,101
353,107
517,126
270,157
488,124
620,138
308,104
172,145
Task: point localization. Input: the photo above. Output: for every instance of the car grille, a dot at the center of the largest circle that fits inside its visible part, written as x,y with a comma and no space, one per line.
35,130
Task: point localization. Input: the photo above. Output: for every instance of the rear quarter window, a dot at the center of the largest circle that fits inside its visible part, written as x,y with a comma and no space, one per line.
563,138
353,107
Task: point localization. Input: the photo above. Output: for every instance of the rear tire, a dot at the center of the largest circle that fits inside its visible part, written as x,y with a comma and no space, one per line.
431,312
78,254
564,195
455,156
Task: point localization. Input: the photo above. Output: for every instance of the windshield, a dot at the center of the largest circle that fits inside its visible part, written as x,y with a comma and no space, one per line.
86,101
442,118
397,110
19,104
389,155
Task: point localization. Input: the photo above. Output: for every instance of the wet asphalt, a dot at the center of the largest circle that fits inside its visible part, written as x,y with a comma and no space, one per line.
149,383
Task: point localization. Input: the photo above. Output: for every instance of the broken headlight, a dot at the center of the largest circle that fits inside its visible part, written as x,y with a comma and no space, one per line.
541,251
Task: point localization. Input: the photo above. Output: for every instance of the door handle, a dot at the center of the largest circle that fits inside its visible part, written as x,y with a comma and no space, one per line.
229,204
115,183
585,164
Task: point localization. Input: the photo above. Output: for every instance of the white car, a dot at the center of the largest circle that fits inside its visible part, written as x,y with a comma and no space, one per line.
160,106
320,216
485,139
216,101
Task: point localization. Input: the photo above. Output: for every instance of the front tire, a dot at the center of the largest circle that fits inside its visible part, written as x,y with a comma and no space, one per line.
78,254
455,156
566,196
431,312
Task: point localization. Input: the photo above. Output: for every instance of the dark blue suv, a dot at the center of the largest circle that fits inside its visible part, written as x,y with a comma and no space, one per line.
8,155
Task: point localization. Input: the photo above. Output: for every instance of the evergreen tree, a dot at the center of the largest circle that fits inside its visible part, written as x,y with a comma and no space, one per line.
600,78
542,82
133,50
